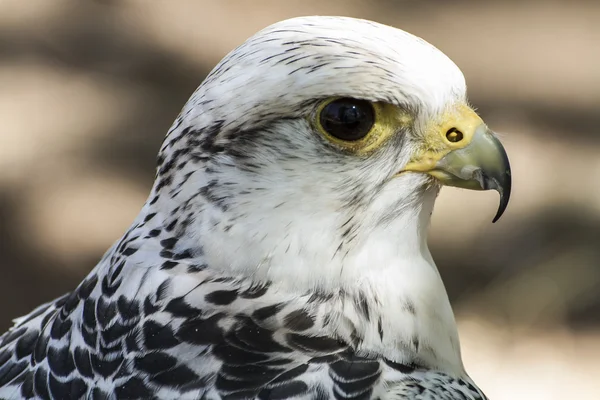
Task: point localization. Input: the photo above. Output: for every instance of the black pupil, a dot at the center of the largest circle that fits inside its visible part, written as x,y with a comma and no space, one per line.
348,119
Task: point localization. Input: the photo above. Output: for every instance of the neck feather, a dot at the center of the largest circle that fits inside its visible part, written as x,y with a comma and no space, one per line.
379,278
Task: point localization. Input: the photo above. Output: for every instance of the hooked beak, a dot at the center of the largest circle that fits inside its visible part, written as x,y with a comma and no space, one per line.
466,155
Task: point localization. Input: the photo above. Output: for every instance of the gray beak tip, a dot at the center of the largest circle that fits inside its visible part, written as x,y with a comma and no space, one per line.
504,191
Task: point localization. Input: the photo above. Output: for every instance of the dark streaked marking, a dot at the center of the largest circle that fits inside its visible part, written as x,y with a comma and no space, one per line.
86,287
89,313
90,336
133,388
13,335
291,374
169,243
154,233
27,386
221,297
298,320
319,344
245,382
71,302
105,311
201,331
240,377
409,306
415,342
109,287
154,363
196,268
41,348
248,335
236,356
40,383
114,332
166,254
180,308
149,307
71,389
404,368
149,217
172,225
129,251
98,394
267,311
4,357
163,288
354,368
285,391
60,327
104,366
26,343
255,291
185,254
178,376
169,265
128,309
11,370
83,363
158,336
50,315
131,341
116,271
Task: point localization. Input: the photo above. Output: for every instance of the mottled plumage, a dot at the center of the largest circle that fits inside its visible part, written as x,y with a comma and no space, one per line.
267,263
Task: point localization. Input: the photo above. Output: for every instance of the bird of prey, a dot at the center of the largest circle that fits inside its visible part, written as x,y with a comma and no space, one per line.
282,252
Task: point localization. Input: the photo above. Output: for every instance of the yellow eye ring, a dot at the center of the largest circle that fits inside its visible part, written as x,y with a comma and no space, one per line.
356,125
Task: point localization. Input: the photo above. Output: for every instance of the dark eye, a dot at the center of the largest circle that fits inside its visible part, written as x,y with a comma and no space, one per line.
347,119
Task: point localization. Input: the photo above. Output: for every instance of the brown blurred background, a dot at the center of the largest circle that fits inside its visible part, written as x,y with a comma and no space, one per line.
87,91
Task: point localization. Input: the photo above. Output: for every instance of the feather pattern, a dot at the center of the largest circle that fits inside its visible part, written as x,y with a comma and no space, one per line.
266,264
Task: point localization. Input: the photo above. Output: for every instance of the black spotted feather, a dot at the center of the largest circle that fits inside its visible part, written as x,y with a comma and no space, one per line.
160,317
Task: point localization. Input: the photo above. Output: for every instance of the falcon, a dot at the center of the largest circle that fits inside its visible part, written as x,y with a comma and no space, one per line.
282,252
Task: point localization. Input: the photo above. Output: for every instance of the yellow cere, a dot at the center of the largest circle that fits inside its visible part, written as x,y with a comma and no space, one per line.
440,137
388,119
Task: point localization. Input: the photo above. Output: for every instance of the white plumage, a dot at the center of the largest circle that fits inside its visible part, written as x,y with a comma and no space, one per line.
271,259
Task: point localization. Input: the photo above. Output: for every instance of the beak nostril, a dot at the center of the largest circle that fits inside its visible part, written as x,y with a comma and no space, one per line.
454,135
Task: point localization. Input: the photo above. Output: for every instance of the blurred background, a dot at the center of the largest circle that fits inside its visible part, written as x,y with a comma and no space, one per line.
88,90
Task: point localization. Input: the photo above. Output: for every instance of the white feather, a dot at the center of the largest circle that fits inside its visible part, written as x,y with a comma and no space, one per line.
285,221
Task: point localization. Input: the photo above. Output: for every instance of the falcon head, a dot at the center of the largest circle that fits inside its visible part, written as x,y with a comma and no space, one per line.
312,154
317,136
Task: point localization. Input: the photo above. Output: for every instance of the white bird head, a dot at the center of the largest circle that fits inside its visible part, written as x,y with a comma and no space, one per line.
311,157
